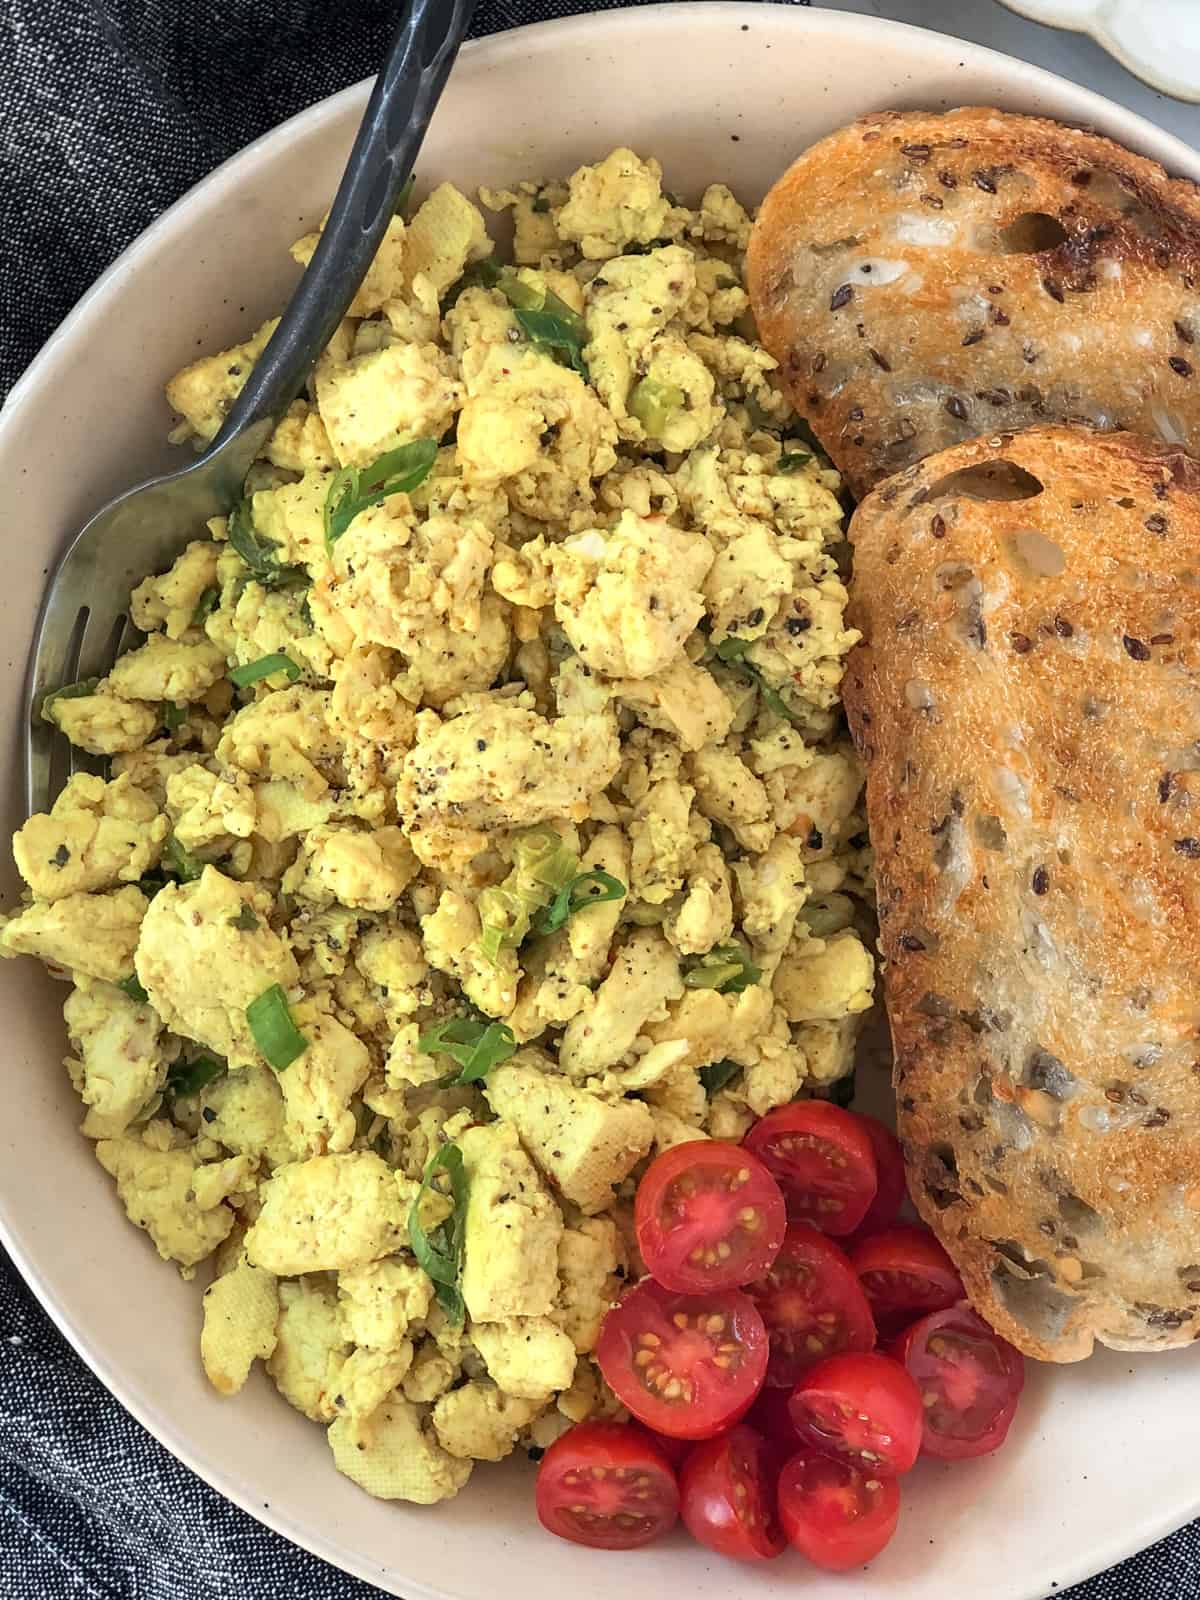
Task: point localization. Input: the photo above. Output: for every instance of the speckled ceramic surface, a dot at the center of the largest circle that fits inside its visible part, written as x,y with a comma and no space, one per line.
1099,1462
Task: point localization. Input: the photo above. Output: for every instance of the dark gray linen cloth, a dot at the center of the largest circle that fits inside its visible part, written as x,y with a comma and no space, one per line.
109,109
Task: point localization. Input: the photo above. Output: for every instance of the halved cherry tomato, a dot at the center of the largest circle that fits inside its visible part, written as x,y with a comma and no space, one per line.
836,1515
822,1160
708,1216
812,1303
892,1184
905,1274
727,1495
685,1365
970,1380
864,1409
606,1484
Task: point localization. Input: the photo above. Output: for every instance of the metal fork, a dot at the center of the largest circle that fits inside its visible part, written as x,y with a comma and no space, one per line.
84,622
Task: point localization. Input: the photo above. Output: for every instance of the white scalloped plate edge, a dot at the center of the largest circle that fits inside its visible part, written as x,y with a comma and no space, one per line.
1126,29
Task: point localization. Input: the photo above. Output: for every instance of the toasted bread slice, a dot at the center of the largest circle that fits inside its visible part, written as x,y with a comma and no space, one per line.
925,278
1027,701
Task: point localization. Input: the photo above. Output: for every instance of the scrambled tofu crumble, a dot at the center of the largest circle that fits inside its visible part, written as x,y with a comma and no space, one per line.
534,768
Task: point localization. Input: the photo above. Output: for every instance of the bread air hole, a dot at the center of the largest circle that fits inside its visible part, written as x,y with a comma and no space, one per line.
987,480
1030,234
1036,556
1034,1302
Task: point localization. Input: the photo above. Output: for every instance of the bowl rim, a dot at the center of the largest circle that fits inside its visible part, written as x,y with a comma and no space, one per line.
865,30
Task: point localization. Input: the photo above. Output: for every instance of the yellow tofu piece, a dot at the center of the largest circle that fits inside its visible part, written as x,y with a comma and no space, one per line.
528,1357
510,1246
300,443
103,724
728,792
168,669
824,981
588,1258
616,203
375,402
95,934
384,278
330,1213
240,1312
246,1109
96,835
683,700
319,1085
310,1349
121,1057
285,735
368,1377
446,234
584,1144
169,601
480,1423
367,869
395,1455
203,392
156,1189
643,979
381,1300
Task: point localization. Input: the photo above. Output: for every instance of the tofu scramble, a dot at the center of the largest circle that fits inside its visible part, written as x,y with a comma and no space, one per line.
475,821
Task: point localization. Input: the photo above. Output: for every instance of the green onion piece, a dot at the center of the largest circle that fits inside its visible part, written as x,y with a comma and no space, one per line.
278,1038
405,196
205,606
733,648
540,204
504,917
654,404
173,716
717,1074
727,968
475,1045
133,988
264,667
733,652
588,889
260,555
245,920
440,1251
151,882
353,489
793,460
546,319
71,691
181,862
189,1077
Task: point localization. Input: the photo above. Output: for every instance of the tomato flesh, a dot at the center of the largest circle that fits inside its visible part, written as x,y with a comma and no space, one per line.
685,1365
812,1303
727,1495
905,1274
891,1183
822,1160
836,1515
969,1378
607,1485
708,1216
864,1409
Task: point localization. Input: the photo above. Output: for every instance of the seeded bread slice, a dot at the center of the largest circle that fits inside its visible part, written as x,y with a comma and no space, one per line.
1027,701
924,278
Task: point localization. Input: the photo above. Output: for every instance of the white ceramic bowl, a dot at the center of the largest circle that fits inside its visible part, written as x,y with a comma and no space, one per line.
1157,40
1100,1461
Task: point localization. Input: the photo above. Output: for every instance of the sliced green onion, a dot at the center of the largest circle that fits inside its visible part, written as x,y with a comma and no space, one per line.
717,1074
173,716
733,648
440,1251
654,404
727,968
133,988
353,489
540,204
591,888
405,195
475,1045
793,460
546,319
189,1077
260,555
278,1038
245,920
205,606
181,863
70,691
733,652
265,667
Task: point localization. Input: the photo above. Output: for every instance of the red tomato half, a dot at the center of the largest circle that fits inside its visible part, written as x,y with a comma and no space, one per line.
727,1495
606,1484
864,1409
708,1216
892,1185
812,1303
970,1380
685,1365
905,1274
822,1160
834,1514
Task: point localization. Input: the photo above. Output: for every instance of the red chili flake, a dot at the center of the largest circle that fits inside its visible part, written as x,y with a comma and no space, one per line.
1156,523
956,408
1054,290
1021,643
974,336
880,361
1179,365
1135,648
1189,848
938,526
1041,880
1185,333
1063,628
841,296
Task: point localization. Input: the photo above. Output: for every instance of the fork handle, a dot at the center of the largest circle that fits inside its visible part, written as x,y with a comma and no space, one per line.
381,161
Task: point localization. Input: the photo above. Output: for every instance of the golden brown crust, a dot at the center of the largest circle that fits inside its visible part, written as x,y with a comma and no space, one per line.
1027,701
923,278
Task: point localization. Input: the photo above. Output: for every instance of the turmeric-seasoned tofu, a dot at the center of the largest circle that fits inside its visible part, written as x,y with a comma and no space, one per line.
330,1212
513,1227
